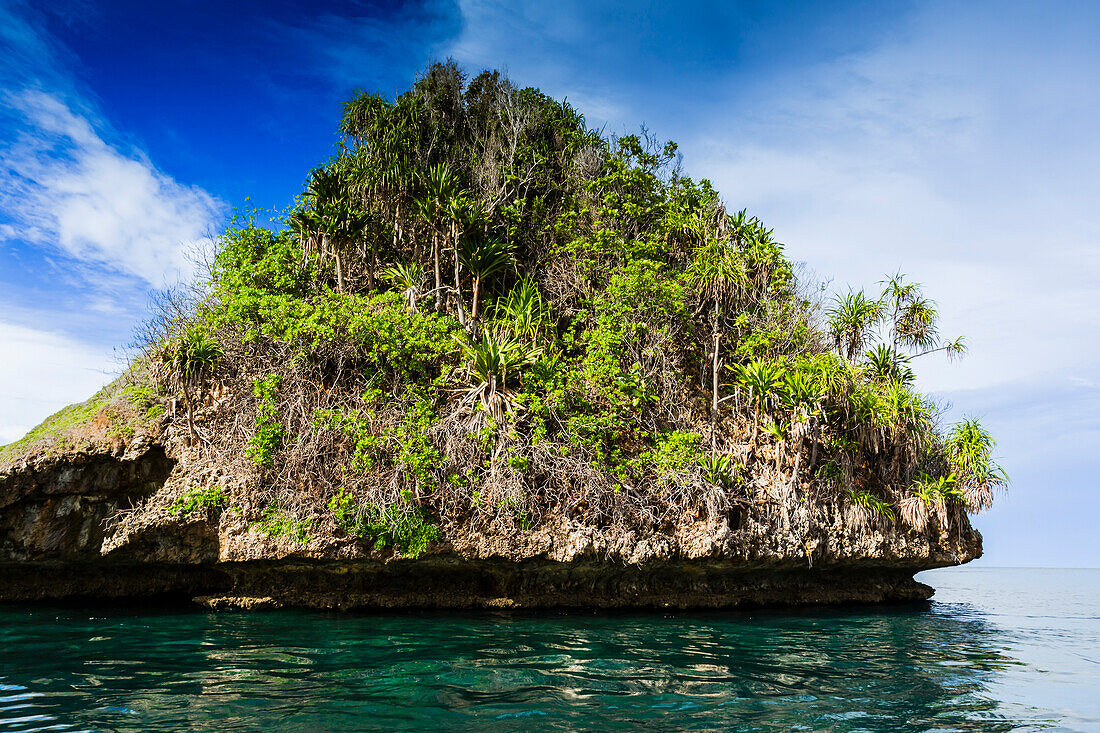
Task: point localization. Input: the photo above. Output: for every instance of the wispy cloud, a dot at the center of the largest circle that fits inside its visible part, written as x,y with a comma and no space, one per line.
63,186
88,224
959,148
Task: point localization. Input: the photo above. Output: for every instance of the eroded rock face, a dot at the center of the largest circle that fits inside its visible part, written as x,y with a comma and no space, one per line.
57,507
59,540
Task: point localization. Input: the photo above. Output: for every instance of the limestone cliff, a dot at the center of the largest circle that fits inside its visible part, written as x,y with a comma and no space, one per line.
95,524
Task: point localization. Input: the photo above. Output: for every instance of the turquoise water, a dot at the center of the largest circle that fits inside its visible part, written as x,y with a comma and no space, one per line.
998,650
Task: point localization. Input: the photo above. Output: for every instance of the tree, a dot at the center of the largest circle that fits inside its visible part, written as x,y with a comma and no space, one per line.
189,358
491,360
719,275
852,320
440,189
760,380
483,257
969,450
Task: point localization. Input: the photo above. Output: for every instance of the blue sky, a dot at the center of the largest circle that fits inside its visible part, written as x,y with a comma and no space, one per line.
955,141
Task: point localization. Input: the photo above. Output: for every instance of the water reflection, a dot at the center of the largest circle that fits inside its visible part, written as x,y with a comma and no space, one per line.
915,669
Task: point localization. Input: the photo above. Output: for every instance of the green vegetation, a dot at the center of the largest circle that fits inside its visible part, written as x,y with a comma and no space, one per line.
399,525
199,501
112,414
269,433
482,313
276,523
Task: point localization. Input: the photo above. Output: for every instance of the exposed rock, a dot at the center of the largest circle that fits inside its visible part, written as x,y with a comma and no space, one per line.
58,541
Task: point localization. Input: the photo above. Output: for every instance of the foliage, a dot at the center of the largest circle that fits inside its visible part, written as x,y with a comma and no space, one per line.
399,525
478,296
969,452
199,500
114,412
268,437
864,506
720,468
274,523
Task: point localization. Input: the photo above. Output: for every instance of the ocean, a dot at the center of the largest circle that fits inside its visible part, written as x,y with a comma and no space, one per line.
996,650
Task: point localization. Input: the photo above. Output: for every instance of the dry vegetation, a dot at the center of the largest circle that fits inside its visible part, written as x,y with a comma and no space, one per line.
480,314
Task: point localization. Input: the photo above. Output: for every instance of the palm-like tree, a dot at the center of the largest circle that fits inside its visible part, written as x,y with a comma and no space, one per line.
483,257
468,217
760,380
720,277
440,188
523,310
719,468
930,497
188,359
802,396
969,450
409,279
852,319
883,364
329,219
863,507
491,360
913,321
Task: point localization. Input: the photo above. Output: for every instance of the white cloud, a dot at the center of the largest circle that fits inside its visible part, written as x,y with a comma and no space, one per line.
93,222
68,188
954,141
41,372
961,150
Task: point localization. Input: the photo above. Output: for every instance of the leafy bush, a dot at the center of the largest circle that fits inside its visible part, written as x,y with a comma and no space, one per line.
276,523
398,525
207,501
268,437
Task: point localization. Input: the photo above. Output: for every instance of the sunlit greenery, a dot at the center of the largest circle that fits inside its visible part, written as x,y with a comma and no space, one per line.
481,310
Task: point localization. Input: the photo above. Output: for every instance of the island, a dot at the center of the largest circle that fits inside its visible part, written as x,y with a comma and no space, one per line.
493,358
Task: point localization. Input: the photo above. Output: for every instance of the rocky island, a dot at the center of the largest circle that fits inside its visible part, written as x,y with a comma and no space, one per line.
492,358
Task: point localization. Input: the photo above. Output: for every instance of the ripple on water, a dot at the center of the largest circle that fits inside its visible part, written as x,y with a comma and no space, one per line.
971,663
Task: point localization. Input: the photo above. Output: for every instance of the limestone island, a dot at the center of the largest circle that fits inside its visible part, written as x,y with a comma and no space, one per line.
492,358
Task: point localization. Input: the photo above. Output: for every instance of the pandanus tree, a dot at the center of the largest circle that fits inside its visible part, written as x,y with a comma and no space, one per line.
760,381
912,322
483,257
720,277
492,360
883,365
409,278
188,359
523,310
440,189
908,319
969,450
930,497
852,320
381,138
802,397
329,219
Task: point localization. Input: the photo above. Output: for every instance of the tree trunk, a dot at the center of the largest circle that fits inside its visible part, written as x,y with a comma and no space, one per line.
813,451
755,430
473,305
797,464
714,393
458,271
438,271
397,229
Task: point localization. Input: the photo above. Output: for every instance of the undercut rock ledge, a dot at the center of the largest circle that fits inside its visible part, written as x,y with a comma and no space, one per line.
61,539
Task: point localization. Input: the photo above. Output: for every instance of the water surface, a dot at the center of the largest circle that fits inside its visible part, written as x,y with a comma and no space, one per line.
997,650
